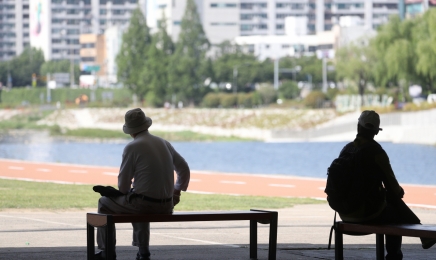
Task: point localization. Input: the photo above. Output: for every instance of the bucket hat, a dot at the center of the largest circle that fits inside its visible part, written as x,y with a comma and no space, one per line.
136,121
369,119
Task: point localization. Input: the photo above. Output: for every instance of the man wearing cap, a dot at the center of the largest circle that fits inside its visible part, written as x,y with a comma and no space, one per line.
390,209
150,162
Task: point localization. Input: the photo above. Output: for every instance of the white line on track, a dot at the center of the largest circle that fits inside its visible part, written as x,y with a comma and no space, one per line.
40,220
78,171
111,173
233,182
198,240
321,188
16,168
43,170
282,185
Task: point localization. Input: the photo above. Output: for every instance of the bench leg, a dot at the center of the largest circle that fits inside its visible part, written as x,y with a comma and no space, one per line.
272,250
380,246
90,241
253,239
109,243
339,245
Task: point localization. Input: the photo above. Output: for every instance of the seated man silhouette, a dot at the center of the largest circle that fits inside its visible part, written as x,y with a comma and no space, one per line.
383,202
150,162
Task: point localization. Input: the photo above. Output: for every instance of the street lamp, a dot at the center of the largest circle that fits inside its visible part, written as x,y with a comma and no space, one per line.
235,75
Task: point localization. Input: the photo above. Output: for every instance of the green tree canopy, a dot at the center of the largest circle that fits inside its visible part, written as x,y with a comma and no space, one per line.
185,78
133,54
356,62
22,67
155,72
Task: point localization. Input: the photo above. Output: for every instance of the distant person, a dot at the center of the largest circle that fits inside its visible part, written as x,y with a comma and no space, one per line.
374,195
150,162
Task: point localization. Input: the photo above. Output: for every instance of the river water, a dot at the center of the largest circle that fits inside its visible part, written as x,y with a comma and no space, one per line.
413,164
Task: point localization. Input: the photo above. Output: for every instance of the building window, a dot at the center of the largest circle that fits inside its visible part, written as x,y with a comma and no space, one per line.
118,2
72,22
118,12
56,41
246,27
285,46
103,2
25,7
252,5
87,2
223,24
251,16
280,26
87,59
176,22
73,11
88,45
282,16
73,31
388,6
103,11
163,6
26,25
327,27
72,2
223,5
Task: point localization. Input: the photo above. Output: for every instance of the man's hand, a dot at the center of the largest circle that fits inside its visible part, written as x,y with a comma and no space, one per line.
176,197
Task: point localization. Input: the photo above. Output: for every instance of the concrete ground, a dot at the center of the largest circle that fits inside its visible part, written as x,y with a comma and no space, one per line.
302,234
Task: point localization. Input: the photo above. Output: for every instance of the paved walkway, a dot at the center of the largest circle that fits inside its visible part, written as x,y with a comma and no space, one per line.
302,234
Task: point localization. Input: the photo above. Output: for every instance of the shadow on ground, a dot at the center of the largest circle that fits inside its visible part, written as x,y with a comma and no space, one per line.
285,251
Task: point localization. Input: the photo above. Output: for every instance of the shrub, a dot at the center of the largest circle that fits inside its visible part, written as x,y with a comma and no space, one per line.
289,90
245,99
228,100
211,100
315,99
268,95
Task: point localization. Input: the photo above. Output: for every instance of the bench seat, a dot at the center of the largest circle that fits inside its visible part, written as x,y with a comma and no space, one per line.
408,230
106,220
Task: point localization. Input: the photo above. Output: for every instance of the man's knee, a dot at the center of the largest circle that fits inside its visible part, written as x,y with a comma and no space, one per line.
103,204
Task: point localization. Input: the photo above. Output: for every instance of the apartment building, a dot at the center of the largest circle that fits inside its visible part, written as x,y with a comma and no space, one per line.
227,19
56,25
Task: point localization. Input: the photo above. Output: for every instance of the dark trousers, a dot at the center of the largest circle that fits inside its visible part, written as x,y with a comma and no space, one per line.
396,212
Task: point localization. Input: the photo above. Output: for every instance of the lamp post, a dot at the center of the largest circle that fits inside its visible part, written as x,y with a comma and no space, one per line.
235,76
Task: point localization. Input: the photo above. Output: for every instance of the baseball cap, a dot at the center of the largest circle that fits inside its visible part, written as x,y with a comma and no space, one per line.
369,119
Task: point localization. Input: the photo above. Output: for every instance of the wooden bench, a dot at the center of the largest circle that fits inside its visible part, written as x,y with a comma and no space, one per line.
412,230
254,216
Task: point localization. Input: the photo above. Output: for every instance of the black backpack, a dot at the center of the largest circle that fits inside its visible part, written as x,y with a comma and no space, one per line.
349,183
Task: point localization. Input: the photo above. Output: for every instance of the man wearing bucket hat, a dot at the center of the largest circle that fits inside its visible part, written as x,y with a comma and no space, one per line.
382,203
150,162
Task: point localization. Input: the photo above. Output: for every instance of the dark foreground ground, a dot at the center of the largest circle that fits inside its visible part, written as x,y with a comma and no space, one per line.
303,234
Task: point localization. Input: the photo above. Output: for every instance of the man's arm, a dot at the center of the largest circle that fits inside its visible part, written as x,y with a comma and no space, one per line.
391,184
127,171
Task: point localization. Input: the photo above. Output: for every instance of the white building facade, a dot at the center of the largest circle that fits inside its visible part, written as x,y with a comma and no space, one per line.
227,19
56,25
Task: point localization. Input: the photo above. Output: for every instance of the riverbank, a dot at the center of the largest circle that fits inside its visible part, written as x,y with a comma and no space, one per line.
268,124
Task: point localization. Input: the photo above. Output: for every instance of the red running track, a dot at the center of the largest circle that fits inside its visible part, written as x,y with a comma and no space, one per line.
205,182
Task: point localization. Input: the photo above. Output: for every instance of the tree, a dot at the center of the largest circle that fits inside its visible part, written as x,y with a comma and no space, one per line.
355,62
60,66
27,63
133,54
396,48
236,67
425,36
185,78
155,72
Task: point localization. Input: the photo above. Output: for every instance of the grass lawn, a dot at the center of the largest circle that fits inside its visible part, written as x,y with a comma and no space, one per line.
40,195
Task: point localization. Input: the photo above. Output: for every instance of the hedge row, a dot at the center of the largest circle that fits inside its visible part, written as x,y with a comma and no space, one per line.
38,96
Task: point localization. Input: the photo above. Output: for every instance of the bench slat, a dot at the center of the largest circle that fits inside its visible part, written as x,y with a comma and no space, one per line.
96,219
409,230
